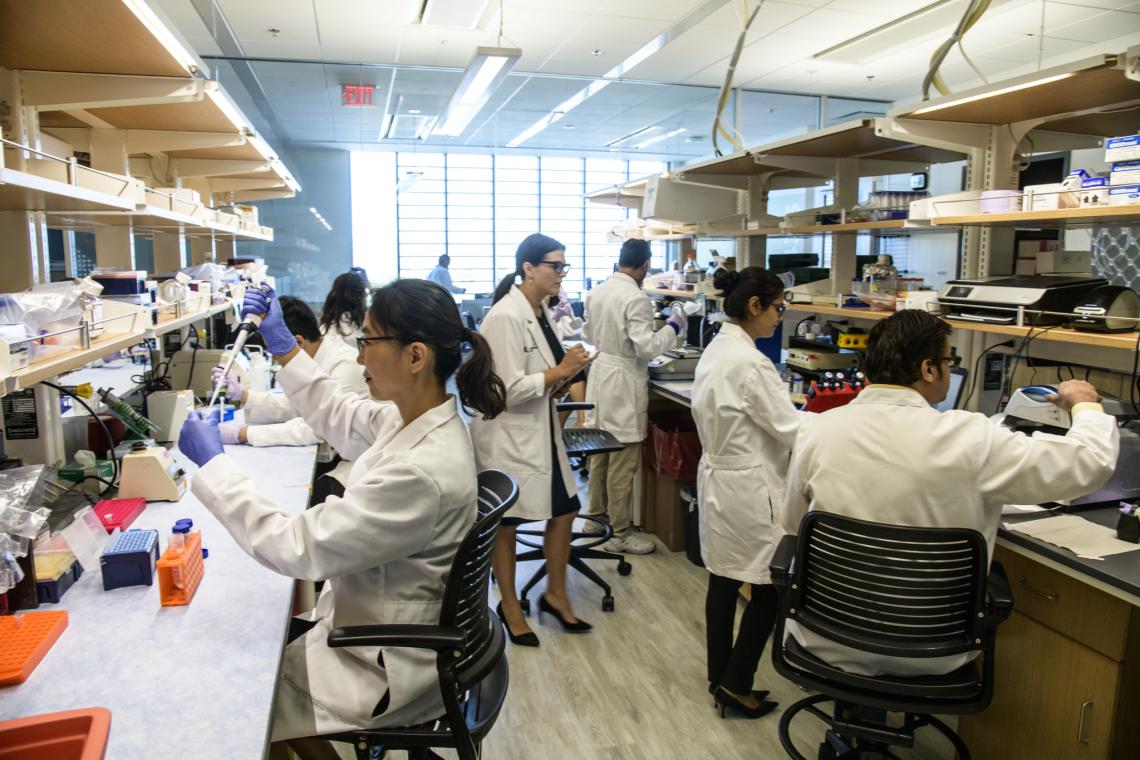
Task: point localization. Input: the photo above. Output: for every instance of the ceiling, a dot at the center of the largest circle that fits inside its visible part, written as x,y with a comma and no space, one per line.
319,45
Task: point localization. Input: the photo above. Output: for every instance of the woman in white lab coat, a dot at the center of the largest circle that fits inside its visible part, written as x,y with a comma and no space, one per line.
387,545
747,425
342,315
525,440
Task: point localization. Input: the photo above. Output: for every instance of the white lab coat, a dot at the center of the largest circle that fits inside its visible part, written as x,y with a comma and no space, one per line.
619,322
518,440
273,421
747,424
889,457
385,548
346,331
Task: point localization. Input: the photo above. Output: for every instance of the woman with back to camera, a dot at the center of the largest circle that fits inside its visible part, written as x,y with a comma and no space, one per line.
525,441
343,312
387,545
747,425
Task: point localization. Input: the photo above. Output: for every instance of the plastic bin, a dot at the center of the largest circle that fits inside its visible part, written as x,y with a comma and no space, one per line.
69,735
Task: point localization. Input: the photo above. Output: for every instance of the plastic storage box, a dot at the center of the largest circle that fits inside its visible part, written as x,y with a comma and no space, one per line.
131,560
119,513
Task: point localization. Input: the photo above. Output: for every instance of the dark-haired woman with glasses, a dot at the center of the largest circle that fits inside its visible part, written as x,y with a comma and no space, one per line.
387,545
747,425
526,440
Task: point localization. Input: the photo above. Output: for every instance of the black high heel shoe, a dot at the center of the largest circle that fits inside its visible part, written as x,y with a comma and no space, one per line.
581,626
725,701
528,639
757,694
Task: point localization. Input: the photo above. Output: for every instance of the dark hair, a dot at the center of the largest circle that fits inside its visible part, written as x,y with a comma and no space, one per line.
738,288
531,250
299,318
348,295
634,253
444,260
900,343
422,311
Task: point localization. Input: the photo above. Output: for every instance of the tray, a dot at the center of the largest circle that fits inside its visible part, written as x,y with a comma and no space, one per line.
24,640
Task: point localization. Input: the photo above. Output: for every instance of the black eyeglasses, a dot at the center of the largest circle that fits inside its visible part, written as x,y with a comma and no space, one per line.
557,266
954,361
780,309
362,343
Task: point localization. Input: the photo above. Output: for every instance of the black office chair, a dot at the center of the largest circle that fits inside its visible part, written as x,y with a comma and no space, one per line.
580,442
468,640
888,590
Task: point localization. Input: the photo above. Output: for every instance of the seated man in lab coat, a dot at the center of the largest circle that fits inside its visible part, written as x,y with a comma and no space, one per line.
890,457
270,420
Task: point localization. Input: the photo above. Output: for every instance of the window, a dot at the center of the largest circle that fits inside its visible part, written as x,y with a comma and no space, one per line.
477,208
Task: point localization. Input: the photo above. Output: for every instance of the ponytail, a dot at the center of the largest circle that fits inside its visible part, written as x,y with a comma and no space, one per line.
738,288
479,387
503,287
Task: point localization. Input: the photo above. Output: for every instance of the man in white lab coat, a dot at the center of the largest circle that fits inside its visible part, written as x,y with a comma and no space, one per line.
441,276
889,457
270,419
619,322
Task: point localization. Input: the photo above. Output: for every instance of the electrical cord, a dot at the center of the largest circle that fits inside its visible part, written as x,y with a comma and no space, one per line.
974,11
110,441
726,89
1029,337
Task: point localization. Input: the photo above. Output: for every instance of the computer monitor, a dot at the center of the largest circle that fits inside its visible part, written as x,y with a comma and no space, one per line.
954,394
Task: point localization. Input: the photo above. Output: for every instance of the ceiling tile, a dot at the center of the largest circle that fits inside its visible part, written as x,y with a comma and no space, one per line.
252,21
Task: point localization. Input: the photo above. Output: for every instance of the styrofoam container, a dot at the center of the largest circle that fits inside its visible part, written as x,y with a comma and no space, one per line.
1126,148
1124,196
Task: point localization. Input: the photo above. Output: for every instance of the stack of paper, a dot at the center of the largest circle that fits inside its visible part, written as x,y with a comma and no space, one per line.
1078,535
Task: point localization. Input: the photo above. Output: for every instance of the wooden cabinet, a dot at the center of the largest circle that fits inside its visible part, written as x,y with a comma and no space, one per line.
1064,684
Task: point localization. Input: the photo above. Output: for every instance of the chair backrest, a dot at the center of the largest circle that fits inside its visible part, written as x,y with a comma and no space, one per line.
465,596
889,589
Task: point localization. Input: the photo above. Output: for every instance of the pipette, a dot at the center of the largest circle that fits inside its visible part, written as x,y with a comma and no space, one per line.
248,325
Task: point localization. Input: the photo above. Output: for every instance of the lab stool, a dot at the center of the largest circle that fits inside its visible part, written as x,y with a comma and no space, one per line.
580,443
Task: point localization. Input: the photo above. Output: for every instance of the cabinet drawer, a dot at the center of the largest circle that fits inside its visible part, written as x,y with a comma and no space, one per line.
1067,605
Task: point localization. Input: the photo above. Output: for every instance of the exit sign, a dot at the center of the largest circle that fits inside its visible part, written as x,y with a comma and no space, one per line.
357,95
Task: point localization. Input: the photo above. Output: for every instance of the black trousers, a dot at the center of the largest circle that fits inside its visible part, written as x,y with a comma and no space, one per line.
733,665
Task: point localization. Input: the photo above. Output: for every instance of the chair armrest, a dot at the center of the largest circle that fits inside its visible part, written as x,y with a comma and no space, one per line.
573,406
999,598
782,560
432,637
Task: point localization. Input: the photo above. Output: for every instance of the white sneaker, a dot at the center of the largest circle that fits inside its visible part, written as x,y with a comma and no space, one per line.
592,528
631,544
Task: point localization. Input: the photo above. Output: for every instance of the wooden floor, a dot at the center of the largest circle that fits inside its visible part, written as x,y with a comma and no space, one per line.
634,688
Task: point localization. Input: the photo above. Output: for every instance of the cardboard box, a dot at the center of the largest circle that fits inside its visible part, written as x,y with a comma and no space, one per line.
1048,197
1125,173
1055,262
1123,196
668,517
1126,148
1027,252
1094,191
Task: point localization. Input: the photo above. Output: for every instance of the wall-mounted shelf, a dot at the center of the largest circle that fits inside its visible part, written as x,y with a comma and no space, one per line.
892,227
177,322
1069,217
1122,341
667,293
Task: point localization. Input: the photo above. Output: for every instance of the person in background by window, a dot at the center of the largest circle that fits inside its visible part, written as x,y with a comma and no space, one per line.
440,275
343,312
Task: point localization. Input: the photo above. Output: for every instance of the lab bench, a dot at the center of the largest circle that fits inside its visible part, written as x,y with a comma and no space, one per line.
195,681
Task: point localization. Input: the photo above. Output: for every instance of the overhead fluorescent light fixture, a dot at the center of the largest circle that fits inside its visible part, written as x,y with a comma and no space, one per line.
632,137
164,35
483,75
877,33
991,93
317,214
660,138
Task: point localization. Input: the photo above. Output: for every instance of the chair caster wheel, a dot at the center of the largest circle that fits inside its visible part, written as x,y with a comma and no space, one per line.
607,604
525,604
624,568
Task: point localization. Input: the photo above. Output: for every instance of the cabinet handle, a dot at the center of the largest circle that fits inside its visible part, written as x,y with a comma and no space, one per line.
1081,738
1034,590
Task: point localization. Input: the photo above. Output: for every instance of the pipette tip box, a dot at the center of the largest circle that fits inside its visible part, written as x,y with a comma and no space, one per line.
56,572
131,560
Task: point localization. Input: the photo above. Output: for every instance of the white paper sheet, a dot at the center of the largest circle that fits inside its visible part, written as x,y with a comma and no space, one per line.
1020,509
1084,538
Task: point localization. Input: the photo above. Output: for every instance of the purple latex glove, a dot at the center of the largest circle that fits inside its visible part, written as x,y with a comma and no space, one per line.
677,321
230,432
199,439
278,338
234,391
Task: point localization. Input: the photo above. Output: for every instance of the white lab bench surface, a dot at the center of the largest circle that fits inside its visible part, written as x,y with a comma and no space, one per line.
190,682
680,391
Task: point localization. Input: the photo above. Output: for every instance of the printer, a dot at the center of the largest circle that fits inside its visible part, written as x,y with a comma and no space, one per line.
1029,411
675,364
996,299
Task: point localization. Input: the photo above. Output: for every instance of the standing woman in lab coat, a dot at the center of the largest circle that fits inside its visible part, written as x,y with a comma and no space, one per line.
387,545
747,425
342,315
525,440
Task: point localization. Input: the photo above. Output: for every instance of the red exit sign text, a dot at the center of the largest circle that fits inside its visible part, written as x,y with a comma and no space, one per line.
357,95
